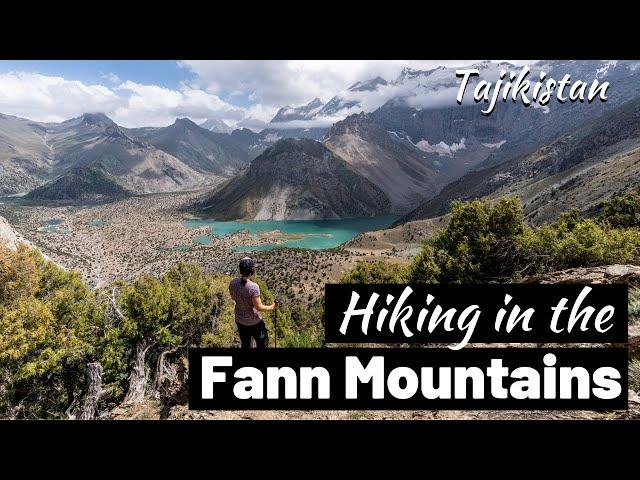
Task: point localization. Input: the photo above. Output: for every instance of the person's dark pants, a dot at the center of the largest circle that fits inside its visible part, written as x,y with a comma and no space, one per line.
257,331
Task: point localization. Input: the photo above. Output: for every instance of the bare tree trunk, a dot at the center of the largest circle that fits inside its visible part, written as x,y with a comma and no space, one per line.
170,381
114,304
94,392
93,395
163,370
138,377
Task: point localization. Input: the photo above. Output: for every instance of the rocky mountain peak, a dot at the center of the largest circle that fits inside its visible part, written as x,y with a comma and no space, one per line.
216,125
352,124
297,179
98,120
368,85
302,112
185,123
111,130
409,73
296,146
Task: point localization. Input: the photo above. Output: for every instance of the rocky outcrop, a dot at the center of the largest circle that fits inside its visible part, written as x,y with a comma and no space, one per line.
405,174
9,237
629,274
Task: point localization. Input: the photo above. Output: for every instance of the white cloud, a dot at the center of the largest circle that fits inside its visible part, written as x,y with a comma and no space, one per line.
153,105
112,77
55,99
52,99
257,117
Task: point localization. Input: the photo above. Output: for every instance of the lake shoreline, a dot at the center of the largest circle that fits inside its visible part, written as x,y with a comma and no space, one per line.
305,234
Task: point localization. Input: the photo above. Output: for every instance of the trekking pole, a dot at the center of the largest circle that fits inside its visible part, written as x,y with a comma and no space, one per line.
275,325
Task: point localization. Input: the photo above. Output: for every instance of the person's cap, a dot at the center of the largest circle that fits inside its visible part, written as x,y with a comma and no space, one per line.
247,264
247,261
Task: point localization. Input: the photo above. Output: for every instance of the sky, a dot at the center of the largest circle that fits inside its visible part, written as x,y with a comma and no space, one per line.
243,93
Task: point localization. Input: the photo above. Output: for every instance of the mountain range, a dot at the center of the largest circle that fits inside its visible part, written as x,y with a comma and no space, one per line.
145,160
577,170
405,136
202,150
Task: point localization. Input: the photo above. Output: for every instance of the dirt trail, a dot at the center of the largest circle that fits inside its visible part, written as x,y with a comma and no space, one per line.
152,410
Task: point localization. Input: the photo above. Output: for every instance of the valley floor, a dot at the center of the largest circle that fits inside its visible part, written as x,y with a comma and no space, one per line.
147,234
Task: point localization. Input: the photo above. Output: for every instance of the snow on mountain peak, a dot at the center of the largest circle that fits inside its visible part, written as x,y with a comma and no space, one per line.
216,125
303,112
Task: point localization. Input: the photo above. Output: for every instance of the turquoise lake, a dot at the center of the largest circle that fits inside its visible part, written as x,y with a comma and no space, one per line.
96,222
318,234
53,226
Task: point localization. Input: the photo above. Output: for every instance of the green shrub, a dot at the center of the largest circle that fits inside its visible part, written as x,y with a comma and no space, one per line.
299,326
487,241
585,244
52,325
379,271
426,267
475,245
622,211
49,326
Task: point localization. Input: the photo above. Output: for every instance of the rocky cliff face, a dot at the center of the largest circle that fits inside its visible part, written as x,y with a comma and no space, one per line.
25,156
8,236
406,175
503,134
297,179
11,239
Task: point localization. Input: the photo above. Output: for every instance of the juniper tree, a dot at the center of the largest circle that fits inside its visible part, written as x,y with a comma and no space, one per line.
48,330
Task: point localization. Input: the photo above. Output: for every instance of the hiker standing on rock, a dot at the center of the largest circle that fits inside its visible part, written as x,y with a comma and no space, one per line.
246,294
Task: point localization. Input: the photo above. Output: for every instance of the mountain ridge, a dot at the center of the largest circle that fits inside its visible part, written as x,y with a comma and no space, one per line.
599,159
34,153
